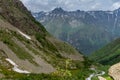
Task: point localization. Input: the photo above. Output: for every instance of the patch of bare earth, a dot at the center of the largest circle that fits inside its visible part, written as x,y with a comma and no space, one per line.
1,75
25,64
43,67
101,78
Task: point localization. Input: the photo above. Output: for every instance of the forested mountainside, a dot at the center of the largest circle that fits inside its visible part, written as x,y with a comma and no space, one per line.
109,54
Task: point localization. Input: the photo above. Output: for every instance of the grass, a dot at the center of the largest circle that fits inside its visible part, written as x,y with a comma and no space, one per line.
49,51
76,75
109,54
47,45
18,50
65,47
32,49
108,78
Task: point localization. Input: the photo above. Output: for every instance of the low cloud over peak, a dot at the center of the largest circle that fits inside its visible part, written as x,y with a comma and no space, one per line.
70,5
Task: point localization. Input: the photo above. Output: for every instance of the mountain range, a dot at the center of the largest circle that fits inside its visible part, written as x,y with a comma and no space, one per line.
29,52
87,31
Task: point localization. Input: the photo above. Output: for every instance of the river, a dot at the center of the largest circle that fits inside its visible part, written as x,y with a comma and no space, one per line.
94,74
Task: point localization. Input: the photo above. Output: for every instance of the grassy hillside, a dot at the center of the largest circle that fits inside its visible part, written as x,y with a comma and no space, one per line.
32,48
39,58
108,55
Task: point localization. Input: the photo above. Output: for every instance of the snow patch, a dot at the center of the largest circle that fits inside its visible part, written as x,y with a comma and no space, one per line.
25,35
15,68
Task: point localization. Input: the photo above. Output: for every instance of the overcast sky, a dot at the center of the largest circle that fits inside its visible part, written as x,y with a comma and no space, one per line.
71,5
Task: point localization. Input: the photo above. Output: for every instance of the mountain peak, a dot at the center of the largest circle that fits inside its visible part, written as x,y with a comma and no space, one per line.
58,10
118,10
78,11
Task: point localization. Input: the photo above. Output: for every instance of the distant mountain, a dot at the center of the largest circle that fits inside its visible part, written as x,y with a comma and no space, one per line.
87,31
108,55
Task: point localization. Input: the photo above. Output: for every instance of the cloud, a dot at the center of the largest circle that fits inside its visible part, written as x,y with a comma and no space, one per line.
70,5
95,6
116,5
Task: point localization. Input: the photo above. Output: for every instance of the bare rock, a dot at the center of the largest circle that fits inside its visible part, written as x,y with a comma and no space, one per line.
114,71
101,78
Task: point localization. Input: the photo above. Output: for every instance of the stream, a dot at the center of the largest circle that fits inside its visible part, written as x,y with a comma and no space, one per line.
94,74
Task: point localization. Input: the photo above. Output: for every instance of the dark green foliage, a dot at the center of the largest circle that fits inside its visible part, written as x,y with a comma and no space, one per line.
40,25
7,42
45,43
108,55
87,62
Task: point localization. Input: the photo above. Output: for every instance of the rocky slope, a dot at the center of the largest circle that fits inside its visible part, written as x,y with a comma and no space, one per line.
85,30
26,46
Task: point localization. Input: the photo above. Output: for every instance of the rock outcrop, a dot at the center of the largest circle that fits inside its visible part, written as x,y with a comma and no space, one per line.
114,71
